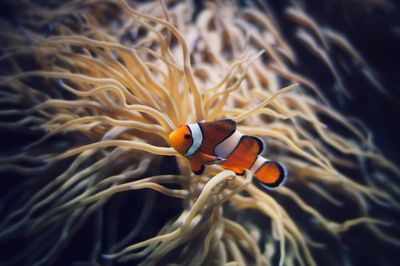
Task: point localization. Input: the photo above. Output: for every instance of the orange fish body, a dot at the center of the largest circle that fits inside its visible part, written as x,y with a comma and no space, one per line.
221,143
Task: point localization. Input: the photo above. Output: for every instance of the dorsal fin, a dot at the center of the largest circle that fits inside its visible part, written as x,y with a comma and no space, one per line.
228,124
255,140
216,132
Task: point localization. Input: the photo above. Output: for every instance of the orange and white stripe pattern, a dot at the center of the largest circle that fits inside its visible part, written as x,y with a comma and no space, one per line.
221,143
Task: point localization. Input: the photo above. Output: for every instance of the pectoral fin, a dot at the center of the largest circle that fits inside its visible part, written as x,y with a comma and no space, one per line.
210,159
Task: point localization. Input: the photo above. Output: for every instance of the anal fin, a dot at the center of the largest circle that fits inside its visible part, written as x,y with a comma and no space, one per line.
237,170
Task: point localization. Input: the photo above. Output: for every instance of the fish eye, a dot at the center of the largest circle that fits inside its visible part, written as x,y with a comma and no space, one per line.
187,136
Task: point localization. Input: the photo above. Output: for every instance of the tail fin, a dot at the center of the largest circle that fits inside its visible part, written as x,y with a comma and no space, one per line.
271,174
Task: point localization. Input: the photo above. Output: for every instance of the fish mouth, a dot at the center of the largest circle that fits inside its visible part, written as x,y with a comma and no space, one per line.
172,138
176,142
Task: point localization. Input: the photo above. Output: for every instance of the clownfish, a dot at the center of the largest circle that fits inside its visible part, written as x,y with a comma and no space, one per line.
221,143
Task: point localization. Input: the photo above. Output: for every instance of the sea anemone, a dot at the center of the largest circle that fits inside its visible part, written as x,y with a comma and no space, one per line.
96,87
